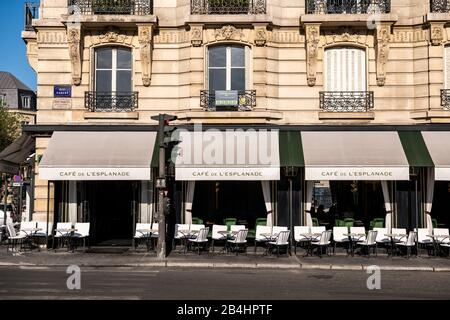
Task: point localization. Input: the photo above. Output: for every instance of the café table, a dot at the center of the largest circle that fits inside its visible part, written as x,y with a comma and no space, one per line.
67,236
395,237
29,232
354,238
147,233
437,240
311,237
229,235
187,234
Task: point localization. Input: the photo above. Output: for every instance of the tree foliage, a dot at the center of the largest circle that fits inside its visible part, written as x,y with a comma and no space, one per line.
9,127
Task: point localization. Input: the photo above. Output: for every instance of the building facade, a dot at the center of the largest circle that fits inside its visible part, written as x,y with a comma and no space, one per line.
337,82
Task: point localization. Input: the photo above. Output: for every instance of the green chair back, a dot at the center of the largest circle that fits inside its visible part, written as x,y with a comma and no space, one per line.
434,223
260,222
339,223
349,222
229,222
315,222
196,220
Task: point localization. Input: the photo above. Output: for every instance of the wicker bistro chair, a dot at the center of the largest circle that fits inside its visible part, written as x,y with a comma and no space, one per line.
43,234
339,237
81,233
425,241
61,235
259,238
370,242
181,235
323,243
201,240
281,241
240,240
217,235
408,244
140,234
13,238
298,238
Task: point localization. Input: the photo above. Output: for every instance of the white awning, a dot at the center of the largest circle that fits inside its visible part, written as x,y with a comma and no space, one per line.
98,156
438,145
228,155
364,155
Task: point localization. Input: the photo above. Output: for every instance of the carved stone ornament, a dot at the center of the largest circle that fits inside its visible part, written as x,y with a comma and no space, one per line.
383,38
437,34
228,33
260,36
196,36
112,35
145,35
312,49
74,42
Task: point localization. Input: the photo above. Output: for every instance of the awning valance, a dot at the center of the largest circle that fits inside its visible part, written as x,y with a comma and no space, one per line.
16,153
352,155
98,156
228,155
438,144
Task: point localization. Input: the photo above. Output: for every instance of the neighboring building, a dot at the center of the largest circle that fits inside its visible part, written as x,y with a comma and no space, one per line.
17,97
357,90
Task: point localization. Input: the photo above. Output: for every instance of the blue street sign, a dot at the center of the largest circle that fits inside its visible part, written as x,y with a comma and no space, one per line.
62,91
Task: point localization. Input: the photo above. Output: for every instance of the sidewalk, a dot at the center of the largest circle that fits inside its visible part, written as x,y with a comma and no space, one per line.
144,259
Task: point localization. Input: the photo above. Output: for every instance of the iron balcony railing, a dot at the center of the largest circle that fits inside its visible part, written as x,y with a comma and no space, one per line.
347,6
110,101
445,99
246,101
31,12
440,6
228,6
122,7
346,101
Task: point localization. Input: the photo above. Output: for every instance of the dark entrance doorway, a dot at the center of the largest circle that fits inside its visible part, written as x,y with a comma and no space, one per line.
112,205
243,200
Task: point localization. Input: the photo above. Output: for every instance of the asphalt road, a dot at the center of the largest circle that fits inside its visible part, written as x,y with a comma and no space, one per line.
233,284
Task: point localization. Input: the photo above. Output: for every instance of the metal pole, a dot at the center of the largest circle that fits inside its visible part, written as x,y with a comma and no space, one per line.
290,209
161,248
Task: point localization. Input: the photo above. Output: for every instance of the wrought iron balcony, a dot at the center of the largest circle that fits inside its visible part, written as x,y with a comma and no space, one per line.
228,6
115,7
31,12
445,99
347,6
346,101
440,6
246,101
110,101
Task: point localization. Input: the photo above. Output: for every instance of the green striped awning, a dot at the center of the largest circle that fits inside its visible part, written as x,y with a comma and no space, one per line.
291,149
415,149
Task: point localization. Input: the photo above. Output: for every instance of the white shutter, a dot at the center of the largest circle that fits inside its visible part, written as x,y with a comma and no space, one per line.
346,69
447,68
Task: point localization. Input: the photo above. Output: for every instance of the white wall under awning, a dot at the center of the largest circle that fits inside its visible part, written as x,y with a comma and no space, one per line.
228,155
364,155
438,144
98,156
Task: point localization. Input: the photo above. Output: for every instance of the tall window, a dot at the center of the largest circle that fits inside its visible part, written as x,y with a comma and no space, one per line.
3,100
226,68
113,70
447,68
26,102
345,69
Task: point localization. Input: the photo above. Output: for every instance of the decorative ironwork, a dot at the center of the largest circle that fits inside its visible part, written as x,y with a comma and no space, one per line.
440,6
445,99
110,101
228,6
346,101
31,12
122,7
347,6
246,101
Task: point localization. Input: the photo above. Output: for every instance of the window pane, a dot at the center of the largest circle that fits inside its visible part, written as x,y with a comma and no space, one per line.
237,56
104,58
238,79
103,80
217,79
217,56
123,59
123,81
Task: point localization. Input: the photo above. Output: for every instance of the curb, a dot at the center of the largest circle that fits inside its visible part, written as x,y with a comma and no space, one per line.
224,265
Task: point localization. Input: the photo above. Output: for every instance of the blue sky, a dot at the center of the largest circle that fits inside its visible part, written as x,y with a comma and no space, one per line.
12,49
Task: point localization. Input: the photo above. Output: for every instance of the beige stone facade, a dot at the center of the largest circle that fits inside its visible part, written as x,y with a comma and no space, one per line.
404,52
